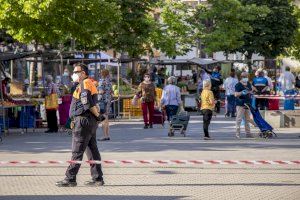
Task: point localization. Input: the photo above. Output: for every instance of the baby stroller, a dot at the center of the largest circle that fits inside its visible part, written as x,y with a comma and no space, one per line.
179,122
266,130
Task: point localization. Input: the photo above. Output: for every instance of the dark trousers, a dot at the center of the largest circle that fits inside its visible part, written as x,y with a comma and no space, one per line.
261,103
171,110
84,140
207,115
148,106
217,97
231,105
52,120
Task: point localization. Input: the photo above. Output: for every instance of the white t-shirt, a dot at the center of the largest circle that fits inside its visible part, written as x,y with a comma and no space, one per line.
229,85
287,80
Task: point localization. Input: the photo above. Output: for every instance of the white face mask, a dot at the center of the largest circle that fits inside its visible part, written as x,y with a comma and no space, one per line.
66,73
75,77
244,80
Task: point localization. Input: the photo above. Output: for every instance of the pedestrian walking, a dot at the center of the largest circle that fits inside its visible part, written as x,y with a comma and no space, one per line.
229,86
171,98
146,91
207,107
243,91
51,105
105,97
85,118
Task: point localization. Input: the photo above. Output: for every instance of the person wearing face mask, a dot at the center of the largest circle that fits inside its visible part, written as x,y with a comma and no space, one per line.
146,91
242,93
51,88
85,116
65,79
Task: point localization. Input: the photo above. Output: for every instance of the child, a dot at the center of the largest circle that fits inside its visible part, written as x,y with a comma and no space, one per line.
207,107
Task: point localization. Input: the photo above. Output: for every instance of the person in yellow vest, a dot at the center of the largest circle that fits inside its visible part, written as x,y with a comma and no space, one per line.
207,107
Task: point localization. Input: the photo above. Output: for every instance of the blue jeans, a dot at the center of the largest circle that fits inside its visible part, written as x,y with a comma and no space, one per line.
171,110
231,105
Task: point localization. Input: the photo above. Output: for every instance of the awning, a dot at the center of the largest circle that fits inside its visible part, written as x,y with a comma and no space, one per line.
203,61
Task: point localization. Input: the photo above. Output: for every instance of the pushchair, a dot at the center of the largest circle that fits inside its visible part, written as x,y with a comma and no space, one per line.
266,130
179,123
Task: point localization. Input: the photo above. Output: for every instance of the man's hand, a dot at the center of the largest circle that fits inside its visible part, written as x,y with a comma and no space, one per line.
100,118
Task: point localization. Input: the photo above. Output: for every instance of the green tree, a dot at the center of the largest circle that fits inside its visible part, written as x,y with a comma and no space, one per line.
294,50
229,21
56,21
131,34
174,33
271,35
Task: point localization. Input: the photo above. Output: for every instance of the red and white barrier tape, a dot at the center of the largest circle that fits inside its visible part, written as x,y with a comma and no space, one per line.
273,96
157,162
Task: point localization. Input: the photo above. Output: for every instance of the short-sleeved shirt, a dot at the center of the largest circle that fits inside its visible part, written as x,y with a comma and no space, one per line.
85,96
147,92
207,97
229,85
241,100
260,83
105,86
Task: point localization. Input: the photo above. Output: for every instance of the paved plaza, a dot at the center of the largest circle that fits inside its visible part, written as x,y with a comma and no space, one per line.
149,181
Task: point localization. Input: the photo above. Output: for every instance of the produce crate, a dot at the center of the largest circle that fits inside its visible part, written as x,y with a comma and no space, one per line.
27,117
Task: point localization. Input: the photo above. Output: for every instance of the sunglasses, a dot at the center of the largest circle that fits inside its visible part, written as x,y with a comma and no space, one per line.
75,72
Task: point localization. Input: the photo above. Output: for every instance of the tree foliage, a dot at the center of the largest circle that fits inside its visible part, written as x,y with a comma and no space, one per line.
274,33
174,33
229,22
52,21
294,50
131,33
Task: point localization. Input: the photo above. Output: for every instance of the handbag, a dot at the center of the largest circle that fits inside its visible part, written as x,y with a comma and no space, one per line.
51,101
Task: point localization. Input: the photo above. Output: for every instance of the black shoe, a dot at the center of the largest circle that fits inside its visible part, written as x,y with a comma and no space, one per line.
151,126
103,139
146,126
93,183
66,183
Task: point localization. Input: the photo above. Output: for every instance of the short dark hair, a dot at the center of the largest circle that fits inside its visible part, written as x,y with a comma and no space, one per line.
83,67
288,68
146,74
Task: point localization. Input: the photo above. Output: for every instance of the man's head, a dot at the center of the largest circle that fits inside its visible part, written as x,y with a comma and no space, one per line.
216,69
49,79
261,74
80,72
244,78
232,73
66,72
172,80
287,69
